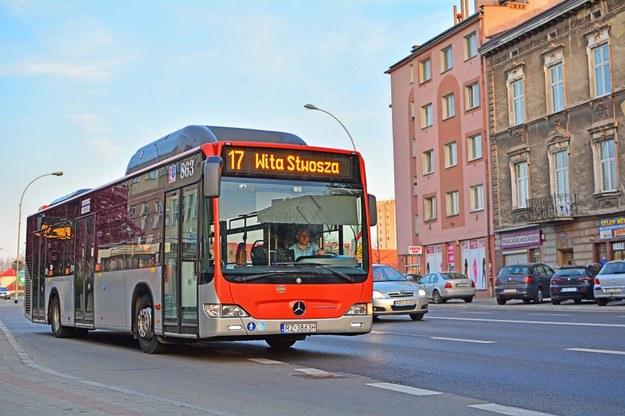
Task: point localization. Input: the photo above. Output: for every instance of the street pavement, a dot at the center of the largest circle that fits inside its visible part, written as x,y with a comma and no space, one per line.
29,389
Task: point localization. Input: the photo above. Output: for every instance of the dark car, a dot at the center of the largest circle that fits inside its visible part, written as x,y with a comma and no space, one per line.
528,282
574,283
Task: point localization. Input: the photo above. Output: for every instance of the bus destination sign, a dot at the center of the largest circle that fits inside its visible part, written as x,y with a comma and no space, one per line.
302,164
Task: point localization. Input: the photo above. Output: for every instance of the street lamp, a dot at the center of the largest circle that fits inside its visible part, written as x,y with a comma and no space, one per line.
19,227
313,107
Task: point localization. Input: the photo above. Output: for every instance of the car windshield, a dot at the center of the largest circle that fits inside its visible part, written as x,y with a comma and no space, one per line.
453,276
384,274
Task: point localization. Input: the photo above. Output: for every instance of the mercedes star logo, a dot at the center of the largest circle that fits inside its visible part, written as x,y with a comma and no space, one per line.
299,308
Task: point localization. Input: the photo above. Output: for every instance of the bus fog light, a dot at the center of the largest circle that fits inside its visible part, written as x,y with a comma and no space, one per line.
235,327
356,324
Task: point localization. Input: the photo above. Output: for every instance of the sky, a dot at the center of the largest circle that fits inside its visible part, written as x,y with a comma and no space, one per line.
85,83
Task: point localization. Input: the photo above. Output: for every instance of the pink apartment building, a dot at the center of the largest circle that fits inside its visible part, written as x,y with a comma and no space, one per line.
440,143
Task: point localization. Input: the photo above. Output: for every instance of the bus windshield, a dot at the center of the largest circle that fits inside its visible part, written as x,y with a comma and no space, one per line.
261,222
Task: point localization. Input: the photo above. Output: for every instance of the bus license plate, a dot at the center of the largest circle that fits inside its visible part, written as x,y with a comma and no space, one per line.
307,327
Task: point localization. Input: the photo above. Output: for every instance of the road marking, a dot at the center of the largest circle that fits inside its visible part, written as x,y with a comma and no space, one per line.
475,341
316,373
614,352
549,314
507,410
265,361
404,389
512,321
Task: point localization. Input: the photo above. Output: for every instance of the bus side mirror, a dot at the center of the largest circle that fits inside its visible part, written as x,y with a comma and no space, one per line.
212,176
373,210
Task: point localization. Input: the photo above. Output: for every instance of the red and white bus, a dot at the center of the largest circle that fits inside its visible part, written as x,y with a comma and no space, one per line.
194,244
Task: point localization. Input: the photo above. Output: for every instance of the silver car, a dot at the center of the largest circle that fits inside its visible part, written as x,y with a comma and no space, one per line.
442,286
394,294
610,282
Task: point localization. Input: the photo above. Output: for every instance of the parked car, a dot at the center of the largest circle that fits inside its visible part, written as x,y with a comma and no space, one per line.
573,283
610,282
394,294
414,277
528,282
4,293
442,286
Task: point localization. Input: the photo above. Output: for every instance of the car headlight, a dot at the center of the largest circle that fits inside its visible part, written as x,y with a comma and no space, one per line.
378,295
421,292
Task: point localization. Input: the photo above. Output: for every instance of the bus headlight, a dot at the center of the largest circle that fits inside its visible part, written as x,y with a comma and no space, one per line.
216,310
357,309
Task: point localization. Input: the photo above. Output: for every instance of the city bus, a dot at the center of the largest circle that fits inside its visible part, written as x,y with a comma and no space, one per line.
196,242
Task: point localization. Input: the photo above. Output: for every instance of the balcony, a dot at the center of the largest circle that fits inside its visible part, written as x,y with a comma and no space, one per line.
552,208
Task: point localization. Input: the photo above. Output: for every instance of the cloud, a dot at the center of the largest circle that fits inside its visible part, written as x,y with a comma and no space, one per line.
69,70
98,134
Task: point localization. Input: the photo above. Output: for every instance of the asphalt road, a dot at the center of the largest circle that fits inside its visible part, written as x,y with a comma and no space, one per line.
466,359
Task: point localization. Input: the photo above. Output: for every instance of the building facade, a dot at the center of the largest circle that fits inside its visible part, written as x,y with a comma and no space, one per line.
386,225
556,105
441,157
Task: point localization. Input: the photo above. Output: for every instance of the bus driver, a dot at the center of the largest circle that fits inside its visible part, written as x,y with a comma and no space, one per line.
304,247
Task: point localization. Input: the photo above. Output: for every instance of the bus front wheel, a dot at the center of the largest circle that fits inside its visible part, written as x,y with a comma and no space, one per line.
144,326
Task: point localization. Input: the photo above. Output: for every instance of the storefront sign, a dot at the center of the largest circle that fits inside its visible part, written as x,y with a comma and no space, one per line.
521,239
415,249
611,227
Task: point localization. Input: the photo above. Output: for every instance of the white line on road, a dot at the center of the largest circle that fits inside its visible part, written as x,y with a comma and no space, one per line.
404,389
512,321
265,361
507,410
475,341
614,352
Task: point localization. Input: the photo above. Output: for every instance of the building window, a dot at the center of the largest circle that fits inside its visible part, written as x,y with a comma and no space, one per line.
446,59
411,74
415,187
429,208
412,111
427,118
561,172
474,147
428,162
449,107
477,198
451,156
516,96
425,70
470,46
472,96
451,203
520,185
607,165
413,143
599,60
557,88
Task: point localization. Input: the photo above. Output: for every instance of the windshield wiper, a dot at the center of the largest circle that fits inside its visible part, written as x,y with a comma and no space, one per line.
323,266
257,276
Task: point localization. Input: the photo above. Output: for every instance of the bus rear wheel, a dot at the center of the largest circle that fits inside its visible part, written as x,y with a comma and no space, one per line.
58,329
144,326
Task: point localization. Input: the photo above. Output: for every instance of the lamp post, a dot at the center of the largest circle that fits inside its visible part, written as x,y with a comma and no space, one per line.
313,107
19,227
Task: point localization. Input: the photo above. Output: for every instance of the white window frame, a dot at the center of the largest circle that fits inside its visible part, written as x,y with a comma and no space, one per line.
606,151
474,147
516,95
470,46
451,154
520,184
425,70
472,96
477,198
447,58
449,106
560,172
429,208
428,162
427,115
598,46
452,203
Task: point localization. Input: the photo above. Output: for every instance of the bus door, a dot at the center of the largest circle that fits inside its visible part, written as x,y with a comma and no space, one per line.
37,279
181,258
84,268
